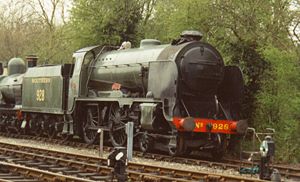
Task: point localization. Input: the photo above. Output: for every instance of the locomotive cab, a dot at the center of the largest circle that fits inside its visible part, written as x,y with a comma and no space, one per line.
78,85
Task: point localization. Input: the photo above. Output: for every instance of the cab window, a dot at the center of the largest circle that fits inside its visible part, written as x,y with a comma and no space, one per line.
88,58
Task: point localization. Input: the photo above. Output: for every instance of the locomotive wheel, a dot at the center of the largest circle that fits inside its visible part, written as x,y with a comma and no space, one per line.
38,130
7,122
13,125
51,130
220,147
117,122
145,142
90,125
18,127
3,122
217,154
36,126
64,137
59,129
176,145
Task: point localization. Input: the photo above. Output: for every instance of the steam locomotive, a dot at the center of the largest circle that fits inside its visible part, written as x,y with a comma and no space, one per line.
180,96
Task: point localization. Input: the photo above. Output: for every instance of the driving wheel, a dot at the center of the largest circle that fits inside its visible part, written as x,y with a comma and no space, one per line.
91,124
117,121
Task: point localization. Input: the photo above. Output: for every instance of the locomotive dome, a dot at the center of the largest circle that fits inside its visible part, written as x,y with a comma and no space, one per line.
149,43
16,66
192,33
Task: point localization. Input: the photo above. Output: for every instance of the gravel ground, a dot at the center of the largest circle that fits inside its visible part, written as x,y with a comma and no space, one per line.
92,152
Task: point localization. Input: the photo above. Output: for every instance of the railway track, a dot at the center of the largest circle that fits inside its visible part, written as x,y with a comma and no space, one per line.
286,172
88,168
8,173
19,173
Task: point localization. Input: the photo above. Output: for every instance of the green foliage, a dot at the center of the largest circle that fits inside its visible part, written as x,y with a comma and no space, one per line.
173,16
278,101
104,21
242,28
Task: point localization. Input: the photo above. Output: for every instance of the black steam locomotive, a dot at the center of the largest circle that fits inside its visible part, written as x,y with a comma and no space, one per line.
179,96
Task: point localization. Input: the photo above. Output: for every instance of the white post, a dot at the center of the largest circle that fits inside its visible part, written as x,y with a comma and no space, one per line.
129,132
100,142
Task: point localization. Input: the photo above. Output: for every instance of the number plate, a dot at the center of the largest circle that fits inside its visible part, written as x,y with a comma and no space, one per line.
218,126
210,125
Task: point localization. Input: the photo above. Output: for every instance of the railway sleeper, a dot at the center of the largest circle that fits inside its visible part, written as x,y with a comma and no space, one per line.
4,158
14,177
86,175
11,159
101,178
31,163
59,169
46,166
25,180
71,172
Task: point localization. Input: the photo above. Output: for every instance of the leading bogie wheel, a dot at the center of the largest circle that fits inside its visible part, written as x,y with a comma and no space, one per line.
176,145
219,150
145,142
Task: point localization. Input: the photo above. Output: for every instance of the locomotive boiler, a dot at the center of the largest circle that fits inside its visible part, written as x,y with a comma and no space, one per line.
180,96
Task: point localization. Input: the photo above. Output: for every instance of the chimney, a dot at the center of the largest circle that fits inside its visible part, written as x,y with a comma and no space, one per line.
31,60
1,69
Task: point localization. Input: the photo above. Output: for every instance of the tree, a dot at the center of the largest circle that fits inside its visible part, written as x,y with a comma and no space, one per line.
106,21
53,43
17,26
27,29
278,101
171,17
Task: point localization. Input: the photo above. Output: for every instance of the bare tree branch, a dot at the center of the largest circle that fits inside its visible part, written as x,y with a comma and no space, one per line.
295,31
54,6
44,14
